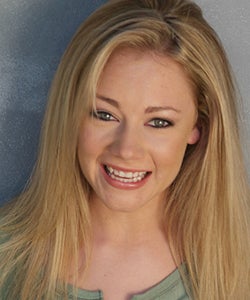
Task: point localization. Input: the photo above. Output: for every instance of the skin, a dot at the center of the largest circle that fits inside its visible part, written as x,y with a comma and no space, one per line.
145,117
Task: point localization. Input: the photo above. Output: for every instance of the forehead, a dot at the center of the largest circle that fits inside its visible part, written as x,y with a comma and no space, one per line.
125,58
131,70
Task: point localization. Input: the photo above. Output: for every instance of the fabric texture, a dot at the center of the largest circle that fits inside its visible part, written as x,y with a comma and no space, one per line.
170,288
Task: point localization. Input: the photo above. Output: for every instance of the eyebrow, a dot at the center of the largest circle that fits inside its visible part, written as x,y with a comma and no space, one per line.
108,100
150,109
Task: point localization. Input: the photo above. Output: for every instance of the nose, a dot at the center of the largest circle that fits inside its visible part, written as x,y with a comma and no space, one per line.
127,143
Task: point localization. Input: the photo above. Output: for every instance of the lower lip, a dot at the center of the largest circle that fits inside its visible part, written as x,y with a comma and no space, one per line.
124,185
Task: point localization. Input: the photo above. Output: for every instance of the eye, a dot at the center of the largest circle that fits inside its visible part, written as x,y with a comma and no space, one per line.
103,115
159,123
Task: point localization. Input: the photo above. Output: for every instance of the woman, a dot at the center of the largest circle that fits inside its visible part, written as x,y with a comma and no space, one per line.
139,190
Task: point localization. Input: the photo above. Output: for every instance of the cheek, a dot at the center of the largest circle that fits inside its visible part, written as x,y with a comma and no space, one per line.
86,148
88,142
170,154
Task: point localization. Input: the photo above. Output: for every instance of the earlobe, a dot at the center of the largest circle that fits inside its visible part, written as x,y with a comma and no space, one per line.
194,136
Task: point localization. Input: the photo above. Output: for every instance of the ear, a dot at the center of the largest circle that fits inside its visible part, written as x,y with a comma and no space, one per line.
194,136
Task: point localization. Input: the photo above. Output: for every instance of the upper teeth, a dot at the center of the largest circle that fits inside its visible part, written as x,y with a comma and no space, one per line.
126,174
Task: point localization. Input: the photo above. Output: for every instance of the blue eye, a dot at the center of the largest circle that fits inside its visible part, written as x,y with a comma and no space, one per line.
103,115
159,123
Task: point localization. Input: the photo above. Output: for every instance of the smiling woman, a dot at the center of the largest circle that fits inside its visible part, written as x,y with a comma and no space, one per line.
139,191
119,142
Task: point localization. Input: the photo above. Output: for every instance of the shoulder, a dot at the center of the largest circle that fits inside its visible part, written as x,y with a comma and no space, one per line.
172,288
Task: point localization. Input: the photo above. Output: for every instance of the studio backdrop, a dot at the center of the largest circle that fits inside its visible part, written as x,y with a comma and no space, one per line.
34,35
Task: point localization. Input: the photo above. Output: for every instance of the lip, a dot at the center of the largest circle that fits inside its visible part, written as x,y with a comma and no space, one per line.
125,169
124,185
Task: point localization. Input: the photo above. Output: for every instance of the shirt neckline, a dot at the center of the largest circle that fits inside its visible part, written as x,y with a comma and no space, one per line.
168,283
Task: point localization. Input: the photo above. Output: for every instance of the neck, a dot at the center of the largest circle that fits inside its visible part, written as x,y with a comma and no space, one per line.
127,227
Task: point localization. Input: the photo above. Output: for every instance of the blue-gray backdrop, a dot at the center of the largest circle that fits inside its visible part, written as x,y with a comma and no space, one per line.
33,36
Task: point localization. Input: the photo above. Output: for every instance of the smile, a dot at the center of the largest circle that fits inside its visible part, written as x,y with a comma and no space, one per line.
126,177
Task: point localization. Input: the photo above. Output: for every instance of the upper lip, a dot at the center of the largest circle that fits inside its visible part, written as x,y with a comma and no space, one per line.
125,169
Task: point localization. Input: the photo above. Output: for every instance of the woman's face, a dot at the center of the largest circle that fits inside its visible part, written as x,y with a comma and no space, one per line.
131,148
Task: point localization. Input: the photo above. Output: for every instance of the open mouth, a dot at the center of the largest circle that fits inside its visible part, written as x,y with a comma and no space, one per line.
126,177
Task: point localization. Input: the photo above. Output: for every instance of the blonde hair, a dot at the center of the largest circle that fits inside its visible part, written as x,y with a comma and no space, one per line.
207,207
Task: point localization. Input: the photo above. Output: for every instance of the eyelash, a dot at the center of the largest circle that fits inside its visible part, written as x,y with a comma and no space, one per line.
107,117
162,123
103,115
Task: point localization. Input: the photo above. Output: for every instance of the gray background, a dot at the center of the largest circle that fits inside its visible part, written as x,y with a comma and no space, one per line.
33,36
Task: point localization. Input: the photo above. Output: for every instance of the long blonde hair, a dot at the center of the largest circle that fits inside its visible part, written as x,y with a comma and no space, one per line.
207,208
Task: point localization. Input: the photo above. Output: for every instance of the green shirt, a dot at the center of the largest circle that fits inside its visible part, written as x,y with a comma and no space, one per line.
170,288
